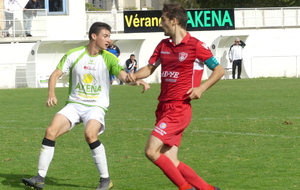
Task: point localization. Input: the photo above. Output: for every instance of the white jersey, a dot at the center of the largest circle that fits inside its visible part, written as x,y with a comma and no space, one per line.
236,52
12,5
89,76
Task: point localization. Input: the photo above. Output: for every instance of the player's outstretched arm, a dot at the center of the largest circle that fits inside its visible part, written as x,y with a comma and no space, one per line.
123,76
142,73
52,100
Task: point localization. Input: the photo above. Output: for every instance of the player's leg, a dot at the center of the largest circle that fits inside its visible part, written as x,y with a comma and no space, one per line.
59,125
94,125
97,148
192,177
233,69
239,65
153,152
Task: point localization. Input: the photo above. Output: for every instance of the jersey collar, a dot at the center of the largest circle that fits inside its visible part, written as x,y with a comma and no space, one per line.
183,41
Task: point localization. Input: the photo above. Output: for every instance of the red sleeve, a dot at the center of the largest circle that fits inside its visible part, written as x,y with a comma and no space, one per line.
155,57
203,51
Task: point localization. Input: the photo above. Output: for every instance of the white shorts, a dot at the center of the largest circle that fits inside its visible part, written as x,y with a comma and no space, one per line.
77,113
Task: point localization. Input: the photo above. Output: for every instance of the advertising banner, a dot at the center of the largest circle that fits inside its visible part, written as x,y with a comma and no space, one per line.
198,20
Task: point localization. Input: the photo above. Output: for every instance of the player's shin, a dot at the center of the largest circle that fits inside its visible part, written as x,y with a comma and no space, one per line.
99,156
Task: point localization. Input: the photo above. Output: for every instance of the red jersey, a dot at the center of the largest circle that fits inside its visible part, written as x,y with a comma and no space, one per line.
182,66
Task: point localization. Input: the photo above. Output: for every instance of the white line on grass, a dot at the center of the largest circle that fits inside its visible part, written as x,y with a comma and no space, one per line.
199,118
145,129
248,134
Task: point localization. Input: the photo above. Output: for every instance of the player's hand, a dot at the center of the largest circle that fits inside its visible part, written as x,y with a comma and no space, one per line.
146,86
51,102
195,93
130,77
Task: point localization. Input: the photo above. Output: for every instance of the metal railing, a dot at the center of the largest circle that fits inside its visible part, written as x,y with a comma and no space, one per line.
12,25
277,17
267,17
244,18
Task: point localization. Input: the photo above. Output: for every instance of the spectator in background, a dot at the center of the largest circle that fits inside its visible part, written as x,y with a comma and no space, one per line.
131,64
28,14
236,57
9,7
112,48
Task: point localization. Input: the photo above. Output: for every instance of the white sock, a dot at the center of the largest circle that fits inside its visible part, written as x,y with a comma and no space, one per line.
99,157
45,159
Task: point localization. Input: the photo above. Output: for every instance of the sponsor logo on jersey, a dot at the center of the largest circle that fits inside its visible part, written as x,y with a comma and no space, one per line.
89,68
171,74
182,56
89,85
91,62
164,52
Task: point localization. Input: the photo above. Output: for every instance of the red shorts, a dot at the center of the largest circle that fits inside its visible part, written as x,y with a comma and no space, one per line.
171,120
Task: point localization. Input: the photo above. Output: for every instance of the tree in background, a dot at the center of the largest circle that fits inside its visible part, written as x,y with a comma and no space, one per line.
90,7
192,4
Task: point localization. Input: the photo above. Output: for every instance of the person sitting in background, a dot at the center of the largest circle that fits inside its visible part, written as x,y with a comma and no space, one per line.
131,64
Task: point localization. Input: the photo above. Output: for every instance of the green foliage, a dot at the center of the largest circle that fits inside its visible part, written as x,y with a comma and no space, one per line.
188,4
90,7
244,135
130,8
237,3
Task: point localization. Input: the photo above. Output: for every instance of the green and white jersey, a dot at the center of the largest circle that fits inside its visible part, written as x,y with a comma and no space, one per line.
89,82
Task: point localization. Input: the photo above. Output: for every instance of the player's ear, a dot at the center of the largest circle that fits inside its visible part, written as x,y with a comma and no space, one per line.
175,21
94,36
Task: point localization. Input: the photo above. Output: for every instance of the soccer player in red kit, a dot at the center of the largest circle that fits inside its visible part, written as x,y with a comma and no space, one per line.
182,59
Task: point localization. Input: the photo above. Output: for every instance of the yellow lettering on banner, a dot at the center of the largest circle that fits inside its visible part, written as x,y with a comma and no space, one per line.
141,21
148,22
128,22
156,21
136,21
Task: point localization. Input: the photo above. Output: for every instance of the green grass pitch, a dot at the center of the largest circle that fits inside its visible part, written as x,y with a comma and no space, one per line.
244,135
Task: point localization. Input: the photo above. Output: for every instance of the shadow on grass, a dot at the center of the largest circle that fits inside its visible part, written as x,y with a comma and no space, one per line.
15,180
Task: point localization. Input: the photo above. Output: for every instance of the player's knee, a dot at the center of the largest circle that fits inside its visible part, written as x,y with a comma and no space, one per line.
91,137
151,155
51,133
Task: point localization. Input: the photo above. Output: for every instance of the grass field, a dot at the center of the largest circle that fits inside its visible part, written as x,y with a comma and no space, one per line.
245,135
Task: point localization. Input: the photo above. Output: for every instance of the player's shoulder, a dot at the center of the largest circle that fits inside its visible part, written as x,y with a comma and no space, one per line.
108,55
76,50
198,43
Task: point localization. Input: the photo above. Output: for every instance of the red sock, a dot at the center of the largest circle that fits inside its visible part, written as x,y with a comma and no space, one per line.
191,177
170,170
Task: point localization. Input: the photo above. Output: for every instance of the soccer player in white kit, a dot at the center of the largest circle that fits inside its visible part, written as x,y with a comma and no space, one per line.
89,68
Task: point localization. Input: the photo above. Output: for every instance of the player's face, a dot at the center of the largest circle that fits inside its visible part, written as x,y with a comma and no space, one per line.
166,24
102,40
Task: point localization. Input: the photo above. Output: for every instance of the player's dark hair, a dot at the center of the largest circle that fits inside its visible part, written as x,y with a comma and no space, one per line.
175,10
97,27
